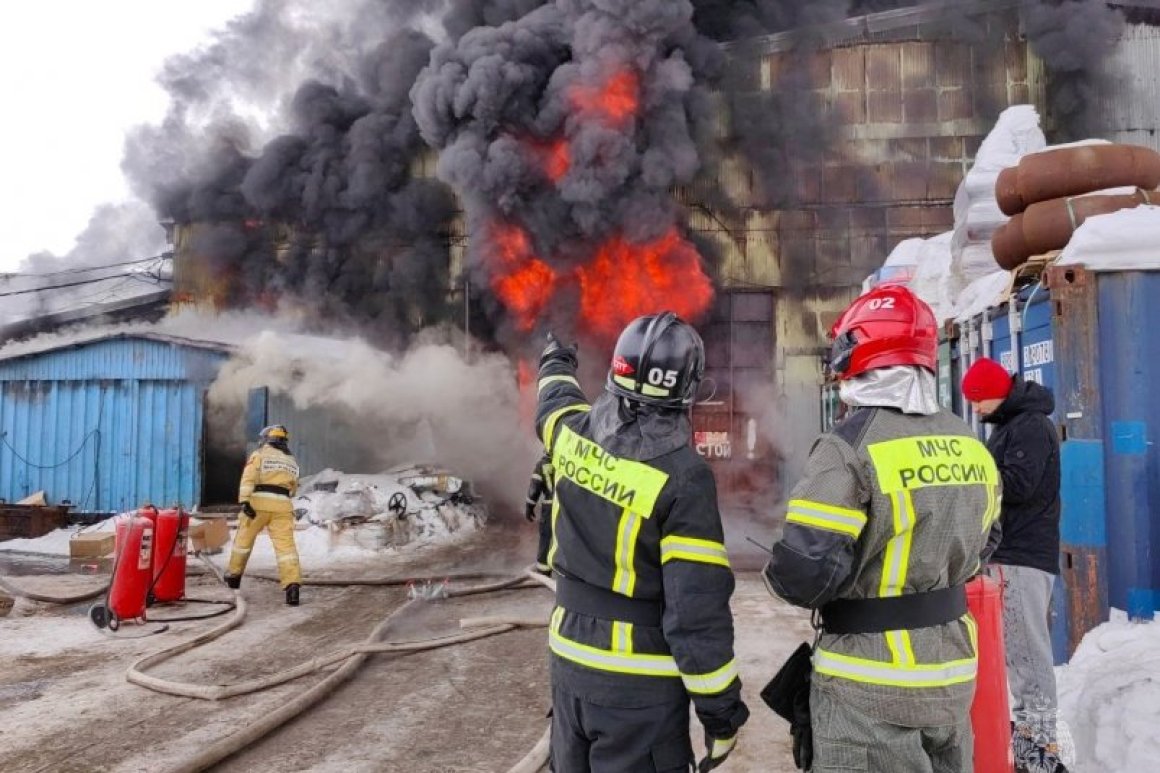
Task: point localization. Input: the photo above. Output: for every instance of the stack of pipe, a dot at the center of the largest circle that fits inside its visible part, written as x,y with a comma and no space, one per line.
1043,195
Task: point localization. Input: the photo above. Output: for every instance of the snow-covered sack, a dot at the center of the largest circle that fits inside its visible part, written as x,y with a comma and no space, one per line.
977,214
1119,241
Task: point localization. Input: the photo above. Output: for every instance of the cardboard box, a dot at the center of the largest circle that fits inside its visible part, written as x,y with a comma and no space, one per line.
93,544
207,535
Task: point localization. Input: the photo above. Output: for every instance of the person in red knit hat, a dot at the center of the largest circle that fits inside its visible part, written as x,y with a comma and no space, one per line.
986,386
1026,450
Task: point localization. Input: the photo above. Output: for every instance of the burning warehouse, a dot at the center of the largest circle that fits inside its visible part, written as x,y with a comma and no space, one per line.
568,168
378,211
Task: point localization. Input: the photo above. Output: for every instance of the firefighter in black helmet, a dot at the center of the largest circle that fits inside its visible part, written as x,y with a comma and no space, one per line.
642,621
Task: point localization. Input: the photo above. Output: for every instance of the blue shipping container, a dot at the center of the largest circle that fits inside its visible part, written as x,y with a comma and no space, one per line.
1018,334
106,424
1129,369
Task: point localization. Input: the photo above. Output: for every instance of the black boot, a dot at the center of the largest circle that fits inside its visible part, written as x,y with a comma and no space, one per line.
292,594
233,581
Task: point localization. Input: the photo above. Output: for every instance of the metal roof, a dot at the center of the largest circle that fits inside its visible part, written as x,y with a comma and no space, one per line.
874,25
54,343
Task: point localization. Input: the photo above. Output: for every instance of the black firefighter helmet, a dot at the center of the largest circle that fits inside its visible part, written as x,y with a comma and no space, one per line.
659,360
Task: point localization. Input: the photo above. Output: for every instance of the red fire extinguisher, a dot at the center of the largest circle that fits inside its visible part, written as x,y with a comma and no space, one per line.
990,713
132,573
169,554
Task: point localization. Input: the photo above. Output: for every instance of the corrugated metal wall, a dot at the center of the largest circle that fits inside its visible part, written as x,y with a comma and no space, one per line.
106,425
1131,111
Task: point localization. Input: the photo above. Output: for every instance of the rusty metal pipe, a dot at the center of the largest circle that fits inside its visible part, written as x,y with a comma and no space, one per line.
1055,174
1048,225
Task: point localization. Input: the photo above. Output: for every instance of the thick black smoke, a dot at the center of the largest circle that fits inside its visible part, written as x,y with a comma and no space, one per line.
573,124
328,214
1075,38
321,204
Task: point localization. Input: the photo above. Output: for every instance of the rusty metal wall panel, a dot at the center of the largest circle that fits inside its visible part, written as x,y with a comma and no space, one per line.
1082,524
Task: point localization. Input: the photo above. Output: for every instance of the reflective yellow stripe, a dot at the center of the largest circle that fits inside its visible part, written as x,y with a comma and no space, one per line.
972,631
932,460
811,506
624,581
645,389
994,506
713,682
820,515
896,560
546,380
621,637
552,543
894,674
554,418
895,567
626,483
607,660
692,549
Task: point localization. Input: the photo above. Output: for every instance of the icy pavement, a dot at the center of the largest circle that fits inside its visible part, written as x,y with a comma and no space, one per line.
1109,696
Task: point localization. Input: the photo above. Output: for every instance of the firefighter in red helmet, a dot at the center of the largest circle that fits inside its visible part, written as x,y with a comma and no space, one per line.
880,536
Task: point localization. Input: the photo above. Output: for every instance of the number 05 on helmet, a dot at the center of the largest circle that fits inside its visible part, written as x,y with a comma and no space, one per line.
659,360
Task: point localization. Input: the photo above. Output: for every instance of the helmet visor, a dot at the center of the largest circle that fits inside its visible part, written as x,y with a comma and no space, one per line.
842,352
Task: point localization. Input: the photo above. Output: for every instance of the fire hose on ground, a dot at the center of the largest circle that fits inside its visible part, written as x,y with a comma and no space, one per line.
351,659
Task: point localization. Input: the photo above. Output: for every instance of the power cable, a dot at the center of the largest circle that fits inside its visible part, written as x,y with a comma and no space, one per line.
83,269
77,283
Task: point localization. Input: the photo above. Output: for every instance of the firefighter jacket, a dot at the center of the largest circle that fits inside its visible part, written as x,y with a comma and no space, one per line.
540,489
891,504
269,480
635,520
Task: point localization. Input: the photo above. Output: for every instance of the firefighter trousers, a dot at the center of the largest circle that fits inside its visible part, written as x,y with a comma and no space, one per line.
588,738
846,739
281,528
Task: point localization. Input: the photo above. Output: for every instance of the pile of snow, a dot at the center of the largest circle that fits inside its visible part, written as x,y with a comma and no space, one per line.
411,504
1119,241
1109,696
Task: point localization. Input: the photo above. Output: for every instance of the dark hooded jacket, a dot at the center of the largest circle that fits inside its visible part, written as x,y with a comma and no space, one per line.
1026,450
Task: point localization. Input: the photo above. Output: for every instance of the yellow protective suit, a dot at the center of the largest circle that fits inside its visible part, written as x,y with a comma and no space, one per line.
269,481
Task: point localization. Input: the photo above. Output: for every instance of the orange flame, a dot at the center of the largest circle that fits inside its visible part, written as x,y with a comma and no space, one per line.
621,282
625,281
617,100
555,157
523,282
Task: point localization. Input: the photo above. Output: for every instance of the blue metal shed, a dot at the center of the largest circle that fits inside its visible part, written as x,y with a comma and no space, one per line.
107,423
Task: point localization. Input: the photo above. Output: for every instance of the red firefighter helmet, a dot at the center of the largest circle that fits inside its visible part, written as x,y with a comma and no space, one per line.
887,326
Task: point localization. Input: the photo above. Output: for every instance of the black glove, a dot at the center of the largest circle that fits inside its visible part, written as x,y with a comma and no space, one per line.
556,349
248,510
719,750
802,732
788,694
530,513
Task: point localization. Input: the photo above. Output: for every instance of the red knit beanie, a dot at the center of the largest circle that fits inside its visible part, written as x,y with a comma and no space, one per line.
986,380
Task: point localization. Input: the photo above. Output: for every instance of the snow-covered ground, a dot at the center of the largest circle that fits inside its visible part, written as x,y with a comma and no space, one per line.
1109,696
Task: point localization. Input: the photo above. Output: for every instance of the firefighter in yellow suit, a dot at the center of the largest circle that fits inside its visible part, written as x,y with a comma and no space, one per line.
269,482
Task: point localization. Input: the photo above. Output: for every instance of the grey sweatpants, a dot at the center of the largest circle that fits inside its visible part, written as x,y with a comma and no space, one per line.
1027,638
846,739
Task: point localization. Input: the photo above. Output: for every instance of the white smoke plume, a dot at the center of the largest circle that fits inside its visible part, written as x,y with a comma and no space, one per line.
426,404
